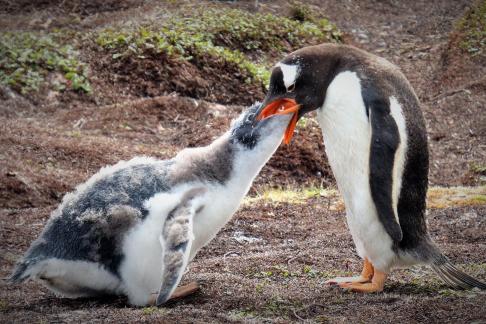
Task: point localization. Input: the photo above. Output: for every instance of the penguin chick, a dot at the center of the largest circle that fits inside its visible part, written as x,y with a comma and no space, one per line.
132,228
376,143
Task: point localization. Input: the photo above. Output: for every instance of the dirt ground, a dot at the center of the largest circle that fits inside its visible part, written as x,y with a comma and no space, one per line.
270,262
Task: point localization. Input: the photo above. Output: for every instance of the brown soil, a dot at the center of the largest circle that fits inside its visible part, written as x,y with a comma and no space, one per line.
280,277
84,8
159,75
60,150
51,143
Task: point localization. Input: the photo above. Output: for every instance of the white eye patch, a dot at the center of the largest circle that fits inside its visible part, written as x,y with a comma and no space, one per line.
290,73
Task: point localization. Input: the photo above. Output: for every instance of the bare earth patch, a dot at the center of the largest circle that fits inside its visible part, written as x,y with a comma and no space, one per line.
270,263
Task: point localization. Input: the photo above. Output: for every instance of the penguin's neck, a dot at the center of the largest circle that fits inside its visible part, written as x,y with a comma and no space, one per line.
247,163
225,197
226,162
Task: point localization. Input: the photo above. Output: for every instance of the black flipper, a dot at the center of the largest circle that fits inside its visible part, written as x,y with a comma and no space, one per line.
176,240
385,139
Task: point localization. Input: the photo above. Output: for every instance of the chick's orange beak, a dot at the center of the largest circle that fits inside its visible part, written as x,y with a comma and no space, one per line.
282,107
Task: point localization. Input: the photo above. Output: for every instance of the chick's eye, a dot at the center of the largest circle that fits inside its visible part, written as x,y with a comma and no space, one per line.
291,88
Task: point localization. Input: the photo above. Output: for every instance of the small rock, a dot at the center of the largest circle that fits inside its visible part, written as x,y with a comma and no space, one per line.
241,238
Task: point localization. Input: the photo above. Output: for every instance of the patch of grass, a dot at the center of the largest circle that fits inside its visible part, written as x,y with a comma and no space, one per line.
449,292
418,286
293,196
305,122
243,314
75,134
335,273
473,27
152,310
3,305
276,271
260,287
479,199
26,58
438,197
322,319
300,11
309,271
475,269
228,35
478,168
280,272
278,307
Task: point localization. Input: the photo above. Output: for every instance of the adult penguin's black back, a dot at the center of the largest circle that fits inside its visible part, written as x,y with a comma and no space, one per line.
376,143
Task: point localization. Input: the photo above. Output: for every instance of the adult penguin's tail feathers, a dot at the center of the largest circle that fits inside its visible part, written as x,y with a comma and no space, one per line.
441,265
453,276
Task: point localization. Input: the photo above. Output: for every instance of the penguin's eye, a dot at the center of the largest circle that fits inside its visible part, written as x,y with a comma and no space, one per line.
291,88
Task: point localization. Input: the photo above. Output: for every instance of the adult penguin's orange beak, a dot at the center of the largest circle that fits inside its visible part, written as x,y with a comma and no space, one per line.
282,106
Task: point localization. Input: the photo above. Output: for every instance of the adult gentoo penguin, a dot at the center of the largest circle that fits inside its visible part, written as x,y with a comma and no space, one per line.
376,143
132,228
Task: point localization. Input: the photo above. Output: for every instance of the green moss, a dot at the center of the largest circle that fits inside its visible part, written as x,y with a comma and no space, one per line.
147,311
475,269
229,35
478,168
26,58
244,314
276,272
276,307
473,28
479,199
303,122
300,11
279,272
309,271
3,305
290,195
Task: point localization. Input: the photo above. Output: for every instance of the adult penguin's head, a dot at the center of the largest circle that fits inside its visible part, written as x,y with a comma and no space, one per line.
303,76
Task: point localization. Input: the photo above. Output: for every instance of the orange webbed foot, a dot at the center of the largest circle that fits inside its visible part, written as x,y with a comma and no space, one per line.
376,285
345,280
365,276
367,287
370,280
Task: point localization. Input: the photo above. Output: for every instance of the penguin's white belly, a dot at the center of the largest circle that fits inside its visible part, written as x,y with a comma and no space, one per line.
221,202
347,137
219,207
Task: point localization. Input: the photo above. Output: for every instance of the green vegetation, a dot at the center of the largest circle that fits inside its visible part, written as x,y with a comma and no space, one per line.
479,199
301,12
475,269
26,58
219,36
292,196
226,35
244,314
478,168
147,311
473,27
303,122
279,272
3,305
417,285
437,197
440,197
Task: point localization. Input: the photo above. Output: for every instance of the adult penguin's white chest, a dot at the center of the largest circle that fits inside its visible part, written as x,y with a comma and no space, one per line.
347,137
